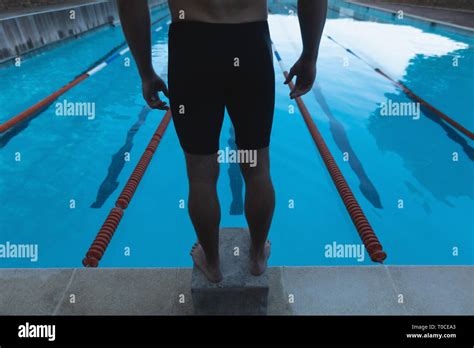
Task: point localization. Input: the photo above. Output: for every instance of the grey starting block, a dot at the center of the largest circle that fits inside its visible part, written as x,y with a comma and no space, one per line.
239,293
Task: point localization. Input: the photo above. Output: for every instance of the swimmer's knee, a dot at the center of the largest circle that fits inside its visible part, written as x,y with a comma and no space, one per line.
257,167
202,168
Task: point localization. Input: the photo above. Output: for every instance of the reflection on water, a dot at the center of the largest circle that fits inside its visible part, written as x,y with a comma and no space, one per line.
110,183
16,130
439,69
427,150
342,141
388,45
449,88
427,156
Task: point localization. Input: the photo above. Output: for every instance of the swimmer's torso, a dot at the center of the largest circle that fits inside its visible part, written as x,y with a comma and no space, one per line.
218,11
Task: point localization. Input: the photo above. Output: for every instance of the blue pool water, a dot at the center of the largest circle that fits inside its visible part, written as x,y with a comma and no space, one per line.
390,158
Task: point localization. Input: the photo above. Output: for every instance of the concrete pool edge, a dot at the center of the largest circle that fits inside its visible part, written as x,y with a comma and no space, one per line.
325,290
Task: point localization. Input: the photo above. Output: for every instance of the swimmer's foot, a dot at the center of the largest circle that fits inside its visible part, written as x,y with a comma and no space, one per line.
258,260
212,273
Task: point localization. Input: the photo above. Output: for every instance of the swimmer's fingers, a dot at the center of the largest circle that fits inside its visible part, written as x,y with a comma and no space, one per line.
160,86
301,88
155,102
158,104
290,75
151,89
305,72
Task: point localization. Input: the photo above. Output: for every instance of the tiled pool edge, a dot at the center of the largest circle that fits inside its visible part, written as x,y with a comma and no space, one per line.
338,290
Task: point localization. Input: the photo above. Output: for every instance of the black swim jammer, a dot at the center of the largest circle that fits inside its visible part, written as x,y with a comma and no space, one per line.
216,66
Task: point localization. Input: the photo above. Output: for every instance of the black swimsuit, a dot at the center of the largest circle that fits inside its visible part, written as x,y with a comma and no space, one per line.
215,66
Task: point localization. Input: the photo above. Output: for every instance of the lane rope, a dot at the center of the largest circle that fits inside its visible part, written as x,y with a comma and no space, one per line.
41,105
409,92
362,225
102,240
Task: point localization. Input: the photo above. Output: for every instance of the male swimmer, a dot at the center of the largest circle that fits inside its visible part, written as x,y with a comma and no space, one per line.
220,57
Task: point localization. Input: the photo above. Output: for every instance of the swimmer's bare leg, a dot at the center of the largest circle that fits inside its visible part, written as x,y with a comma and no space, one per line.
204,210
259,207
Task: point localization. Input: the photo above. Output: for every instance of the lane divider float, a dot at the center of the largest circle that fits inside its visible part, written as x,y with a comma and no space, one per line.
41,105
362,225
99,245
409,92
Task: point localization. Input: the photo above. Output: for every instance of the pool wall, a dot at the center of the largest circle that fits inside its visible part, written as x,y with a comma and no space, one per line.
22,33
365,11
457,4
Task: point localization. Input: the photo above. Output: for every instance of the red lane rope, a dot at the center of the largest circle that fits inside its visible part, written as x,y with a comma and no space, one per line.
439,113
132,184
40,105
51,98
106,232
366,233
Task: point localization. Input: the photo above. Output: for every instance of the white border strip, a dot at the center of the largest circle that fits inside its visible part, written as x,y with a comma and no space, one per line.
125,50
97,69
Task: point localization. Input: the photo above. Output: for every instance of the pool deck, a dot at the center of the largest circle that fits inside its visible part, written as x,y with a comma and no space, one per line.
351,290
454,17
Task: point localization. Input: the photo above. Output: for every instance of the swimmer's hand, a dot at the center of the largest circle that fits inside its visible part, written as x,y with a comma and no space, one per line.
151,88
305,72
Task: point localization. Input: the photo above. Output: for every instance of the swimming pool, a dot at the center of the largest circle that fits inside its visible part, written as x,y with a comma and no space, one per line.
401,169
